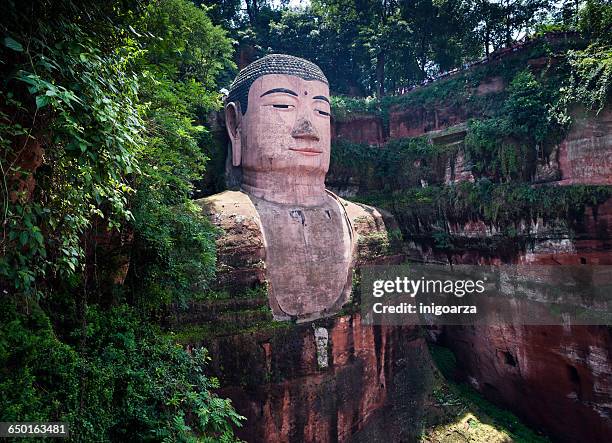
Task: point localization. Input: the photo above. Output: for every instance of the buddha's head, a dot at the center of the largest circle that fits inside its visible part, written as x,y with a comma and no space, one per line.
278,120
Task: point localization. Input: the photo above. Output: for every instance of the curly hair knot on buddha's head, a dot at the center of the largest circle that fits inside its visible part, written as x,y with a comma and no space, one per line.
271,64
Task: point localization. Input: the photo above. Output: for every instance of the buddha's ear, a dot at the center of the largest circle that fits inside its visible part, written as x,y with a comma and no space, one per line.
233,123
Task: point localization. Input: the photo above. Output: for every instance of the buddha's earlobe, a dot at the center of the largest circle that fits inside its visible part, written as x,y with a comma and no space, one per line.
233,121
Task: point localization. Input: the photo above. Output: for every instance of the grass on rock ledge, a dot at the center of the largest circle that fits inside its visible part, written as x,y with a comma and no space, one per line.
466,416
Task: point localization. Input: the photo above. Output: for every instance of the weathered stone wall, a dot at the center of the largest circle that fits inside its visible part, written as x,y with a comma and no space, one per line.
372,385
558,379
585,156
362,129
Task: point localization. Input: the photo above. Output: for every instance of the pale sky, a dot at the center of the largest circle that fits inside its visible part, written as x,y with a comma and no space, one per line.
292,3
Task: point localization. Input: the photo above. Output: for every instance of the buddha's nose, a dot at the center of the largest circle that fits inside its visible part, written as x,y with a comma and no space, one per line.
304,129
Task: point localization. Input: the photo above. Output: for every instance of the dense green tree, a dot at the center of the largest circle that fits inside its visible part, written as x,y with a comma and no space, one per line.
443,36
400,43
173,252
501,22
373,25
101,110
591,79
375,47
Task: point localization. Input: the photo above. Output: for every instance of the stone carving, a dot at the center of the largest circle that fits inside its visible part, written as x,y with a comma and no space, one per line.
278,120
321,339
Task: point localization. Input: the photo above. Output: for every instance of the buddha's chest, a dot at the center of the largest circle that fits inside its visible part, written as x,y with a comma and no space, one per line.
308,254
304,234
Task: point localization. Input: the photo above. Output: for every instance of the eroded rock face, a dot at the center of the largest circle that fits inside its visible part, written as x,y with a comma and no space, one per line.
372,389
567,369
591,244
366,129
585,154
492,85
457,170
556,378
414,122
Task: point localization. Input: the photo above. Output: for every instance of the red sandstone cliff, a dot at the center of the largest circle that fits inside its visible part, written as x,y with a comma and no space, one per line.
556,378
372,374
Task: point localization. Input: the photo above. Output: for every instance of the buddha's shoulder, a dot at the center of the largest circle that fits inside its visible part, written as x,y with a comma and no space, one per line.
235,214
234,205
240,243
377,232
367,220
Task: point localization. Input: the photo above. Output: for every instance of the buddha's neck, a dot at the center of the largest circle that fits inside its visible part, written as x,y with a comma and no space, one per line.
285,188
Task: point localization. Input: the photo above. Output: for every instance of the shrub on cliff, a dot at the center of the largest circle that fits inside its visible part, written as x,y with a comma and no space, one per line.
591,79
504,147
127,383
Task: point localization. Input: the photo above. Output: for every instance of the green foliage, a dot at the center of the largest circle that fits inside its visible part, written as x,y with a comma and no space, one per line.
502,418
396,45
526,108
372,48
591,82
174,250
445,360
591,68
39,374
458,89
116,113
428,211
521,125
101,135
462,397
401,163
502,147
594,20
206,331
489,148
127,382
80,106
344,107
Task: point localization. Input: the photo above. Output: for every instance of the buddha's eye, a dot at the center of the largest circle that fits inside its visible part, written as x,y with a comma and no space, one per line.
282,106
323,112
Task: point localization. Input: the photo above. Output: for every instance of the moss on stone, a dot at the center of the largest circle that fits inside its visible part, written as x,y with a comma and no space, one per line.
194,334
507,211
462,414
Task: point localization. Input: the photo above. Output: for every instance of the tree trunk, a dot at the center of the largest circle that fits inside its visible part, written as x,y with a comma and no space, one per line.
380,73
251,7
508,25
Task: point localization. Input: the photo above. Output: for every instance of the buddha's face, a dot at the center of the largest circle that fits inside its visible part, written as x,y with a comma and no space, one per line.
286,126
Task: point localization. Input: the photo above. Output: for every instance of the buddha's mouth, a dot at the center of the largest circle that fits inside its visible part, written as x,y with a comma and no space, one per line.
306,151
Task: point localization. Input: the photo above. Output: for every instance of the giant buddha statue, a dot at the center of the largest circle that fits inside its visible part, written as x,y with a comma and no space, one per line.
283,227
